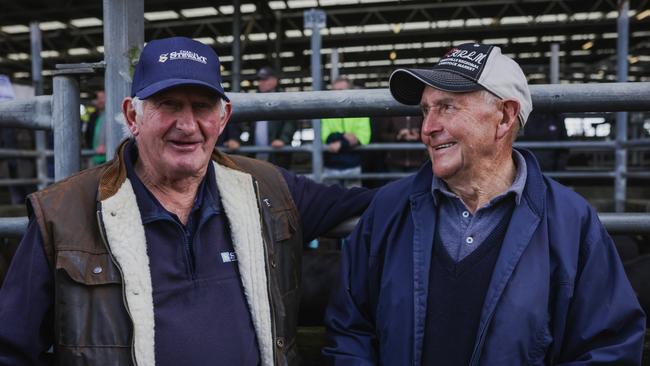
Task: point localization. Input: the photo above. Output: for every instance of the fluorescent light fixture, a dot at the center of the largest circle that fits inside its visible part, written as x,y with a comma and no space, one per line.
248,8
642,15
78,51
373,28
18,56
226,58
495,41
227,9
524,40
516,20
254,56
15,28
86,22
21,75
199,12
580,53
277,5
416,25
293,33
47,26
294,4
205,40
161,15
100,49
50,54
633,59
257,37
225,39
587,45
337,2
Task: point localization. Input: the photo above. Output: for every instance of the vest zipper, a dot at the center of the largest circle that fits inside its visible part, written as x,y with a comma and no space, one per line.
102,232
266,267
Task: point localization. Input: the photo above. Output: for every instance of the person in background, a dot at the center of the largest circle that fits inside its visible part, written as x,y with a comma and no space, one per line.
276,134
401,129
230,137
341,136
478,258
546,126
95,129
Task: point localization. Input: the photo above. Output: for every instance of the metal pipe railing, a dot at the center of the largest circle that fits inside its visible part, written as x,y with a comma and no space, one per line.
615,223
40,112
603,97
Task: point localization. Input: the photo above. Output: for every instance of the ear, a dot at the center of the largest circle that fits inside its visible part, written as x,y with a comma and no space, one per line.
509,118
129,115
226,117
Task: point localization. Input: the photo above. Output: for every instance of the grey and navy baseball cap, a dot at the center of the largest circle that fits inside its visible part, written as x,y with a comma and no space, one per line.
176,61
464,68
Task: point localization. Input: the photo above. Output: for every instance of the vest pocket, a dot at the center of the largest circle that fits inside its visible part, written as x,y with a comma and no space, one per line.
286,255
89,310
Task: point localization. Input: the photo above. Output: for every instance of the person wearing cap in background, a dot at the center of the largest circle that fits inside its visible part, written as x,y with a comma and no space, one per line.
478,258
172,253
274,133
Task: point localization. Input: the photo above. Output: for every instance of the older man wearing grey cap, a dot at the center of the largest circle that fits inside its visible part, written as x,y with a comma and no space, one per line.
478,258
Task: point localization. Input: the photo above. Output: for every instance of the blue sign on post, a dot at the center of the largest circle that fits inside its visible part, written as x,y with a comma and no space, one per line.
6,90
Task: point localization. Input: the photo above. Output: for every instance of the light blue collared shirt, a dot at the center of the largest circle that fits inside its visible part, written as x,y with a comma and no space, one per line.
460,231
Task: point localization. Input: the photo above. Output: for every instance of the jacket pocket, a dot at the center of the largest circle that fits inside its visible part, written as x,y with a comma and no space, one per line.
89,310
283,227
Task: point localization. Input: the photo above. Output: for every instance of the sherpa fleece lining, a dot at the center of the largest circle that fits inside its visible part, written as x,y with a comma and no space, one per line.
240,203
126,238
125,235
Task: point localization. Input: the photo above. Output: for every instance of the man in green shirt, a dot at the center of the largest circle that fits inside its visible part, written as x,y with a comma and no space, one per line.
341,136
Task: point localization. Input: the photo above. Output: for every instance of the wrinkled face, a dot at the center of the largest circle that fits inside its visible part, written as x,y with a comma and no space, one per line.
459,131
268,84
178,130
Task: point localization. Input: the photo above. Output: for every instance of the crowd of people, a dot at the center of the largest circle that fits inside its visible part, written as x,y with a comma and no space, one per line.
174,252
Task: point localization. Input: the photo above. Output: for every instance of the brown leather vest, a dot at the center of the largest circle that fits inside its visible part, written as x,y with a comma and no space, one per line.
91,323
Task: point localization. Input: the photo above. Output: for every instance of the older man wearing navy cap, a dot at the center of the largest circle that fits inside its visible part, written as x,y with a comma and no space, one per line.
172,253
478,258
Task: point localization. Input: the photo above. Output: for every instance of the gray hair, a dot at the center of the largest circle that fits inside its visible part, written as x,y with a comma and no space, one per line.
490,98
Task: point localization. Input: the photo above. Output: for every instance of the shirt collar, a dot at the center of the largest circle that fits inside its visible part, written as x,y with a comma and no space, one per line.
440,189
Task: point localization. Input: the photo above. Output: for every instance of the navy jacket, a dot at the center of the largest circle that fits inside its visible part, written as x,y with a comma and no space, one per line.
558,293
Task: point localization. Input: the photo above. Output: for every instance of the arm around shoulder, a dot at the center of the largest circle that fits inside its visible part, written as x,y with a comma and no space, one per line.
349,320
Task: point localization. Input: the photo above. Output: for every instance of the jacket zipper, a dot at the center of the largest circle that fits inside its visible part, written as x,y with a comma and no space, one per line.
266,267
102,232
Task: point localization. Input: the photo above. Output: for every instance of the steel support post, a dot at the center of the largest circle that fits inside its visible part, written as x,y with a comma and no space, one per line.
334,60
123,39
40,138
66,126
555,64
315,20
236,48
622,42
277,62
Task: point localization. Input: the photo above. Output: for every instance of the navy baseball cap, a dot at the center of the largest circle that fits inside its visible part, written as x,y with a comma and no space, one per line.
177,61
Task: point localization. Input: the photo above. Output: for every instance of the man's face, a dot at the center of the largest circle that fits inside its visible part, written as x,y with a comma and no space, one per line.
177,131
268,84
341,85
100,100
459,131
